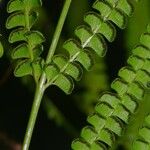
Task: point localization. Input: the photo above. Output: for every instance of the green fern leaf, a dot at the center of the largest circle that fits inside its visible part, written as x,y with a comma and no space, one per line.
51,72
97,121
98,146
85,58
142,77
110,99
23,68
15,5
97,25
119,86
112,112
18,20
17,35
146,132
90,36
34,4
104,109
114,125
26,67
135,62
138,145
107,136
122,87
65,83
21,51
143,140
109,13
122,5
88,133
122,113
127,74
141,51
72,69
130,102
37,68
34,38
15,20
18,5
23,16
145,40
89,40
80,145
146,66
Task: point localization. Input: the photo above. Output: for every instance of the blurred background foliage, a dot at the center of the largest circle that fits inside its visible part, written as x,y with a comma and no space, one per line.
62,116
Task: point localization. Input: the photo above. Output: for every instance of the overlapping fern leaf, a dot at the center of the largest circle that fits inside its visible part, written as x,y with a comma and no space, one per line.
23,14
143,141
113,111
90,37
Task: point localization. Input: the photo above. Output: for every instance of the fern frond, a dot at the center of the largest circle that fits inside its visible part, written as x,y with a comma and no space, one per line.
113,111
90,37
143,141
23,15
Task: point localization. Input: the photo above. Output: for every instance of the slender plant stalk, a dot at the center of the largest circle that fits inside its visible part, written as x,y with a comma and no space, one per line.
40,86
34,111
58,30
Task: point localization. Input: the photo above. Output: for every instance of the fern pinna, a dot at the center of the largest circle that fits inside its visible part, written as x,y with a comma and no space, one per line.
113,110
22,18
90,37
143,141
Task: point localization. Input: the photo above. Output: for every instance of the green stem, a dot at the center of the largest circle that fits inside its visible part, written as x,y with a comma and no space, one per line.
58,31
34,111
40,87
